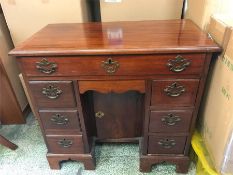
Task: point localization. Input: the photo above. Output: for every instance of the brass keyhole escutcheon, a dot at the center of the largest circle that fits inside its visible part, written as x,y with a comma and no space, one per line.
99,114
110,66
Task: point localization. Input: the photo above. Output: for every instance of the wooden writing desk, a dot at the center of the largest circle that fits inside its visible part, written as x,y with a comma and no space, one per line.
117,82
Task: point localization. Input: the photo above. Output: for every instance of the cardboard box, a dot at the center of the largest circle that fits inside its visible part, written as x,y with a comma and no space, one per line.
219,30
200,11
227,91
24,17
195,11
10,63
136,10
217,109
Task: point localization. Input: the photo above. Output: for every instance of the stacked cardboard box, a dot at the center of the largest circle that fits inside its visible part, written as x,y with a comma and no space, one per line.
200,11
24,18
217,109
135,10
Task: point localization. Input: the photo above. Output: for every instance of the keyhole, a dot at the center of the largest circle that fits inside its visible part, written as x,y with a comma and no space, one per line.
109,61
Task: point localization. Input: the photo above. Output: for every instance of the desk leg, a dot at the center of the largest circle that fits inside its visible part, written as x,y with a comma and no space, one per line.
181,162
55,159
7,143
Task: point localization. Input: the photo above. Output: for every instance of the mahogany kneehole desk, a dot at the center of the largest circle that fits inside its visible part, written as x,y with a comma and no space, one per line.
117,82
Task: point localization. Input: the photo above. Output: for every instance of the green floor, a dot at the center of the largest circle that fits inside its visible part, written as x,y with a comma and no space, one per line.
30,159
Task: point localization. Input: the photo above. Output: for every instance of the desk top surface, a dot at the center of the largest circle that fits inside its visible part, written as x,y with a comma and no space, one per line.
144,37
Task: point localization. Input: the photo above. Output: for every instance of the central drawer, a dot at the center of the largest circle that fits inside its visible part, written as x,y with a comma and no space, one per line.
114,65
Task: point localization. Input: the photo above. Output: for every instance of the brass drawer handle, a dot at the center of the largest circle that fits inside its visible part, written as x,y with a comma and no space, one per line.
46,67
65,143
59,119
51,92
167,143
174,90
170,119
110,66
99,114
178,64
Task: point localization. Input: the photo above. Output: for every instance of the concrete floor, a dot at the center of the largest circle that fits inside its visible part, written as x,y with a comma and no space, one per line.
30,157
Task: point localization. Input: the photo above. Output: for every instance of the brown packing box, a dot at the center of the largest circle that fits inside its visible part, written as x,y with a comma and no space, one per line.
219,31
195,11
25,17
217,111
135,10
200,11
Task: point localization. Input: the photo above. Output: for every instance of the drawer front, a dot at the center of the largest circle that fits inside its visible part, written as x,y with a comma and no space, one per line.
53,93
171,93
60,122
114,65
166,145
170,121
65,144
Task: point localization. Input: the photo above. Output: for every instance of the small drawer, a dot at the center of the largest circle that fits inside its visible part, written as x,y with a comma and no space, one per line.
65,144
174,93
157,64
170,121
53,94
60,122
166,144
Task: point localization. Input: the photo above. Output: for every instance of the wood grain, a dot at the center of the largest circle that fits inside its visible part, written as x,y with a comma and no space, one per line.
128,65
143,37
155,148
118,110
68,126
76,147
158,125
186,99
65,99
112,86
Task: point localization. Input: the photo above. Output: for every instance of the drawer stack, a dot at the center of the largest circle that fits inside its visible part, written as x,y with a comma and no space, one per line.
59,116
171,109
173,102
